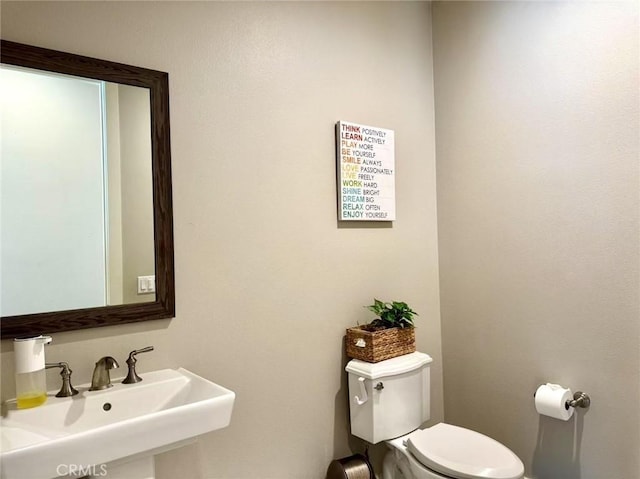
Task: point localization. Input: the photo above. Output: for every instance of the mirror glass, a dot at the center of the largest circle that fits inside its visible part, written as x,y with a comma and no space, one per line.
86,235
76,201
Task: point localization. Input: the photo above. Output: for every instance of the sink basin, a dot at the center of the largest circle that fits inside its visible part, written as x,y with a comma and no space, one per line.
163,411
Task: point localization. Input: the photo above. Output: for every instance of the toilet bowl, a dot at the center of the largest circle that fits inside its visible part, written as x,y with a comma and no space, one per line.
389,401
445,451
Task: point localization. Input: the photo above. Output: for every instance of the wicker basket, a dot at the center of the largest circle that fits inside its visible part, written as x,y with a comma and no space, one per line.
375,346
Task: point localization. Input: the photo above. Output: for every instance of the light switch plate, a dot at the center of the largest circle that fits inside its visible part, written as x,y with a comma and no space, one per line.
146,284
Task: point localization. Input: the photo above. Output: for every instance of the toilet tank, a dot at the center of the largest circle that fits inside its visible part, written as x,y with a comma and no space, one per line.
389,398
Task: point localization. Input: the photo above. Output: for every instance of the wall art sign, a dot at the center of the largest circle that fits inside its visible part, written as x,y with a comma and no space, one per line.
366,172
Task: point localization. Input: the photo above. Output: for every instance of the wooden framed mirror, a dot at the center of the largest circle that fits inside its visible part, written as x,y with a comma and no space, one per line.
162,304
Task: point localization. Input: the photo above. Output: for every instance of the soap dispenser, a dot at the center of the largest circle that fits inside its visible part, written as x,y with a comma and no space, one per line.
31,381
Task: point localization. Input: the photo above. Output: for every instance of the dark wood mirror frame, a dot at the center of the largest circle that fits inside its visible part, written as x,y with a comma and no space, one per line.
158,83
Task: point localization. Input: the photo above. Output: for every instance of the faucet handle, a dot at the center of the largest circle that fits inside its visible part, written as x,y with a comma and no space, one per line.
132,376
67,389
143,350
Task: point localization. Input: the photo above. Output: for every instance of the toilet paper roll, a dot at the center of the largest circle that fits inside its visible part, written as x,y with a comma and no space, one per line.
551,400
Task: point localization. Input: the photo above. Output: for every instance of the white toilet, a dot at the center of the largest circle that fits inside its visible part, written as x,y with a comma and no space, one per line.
389,401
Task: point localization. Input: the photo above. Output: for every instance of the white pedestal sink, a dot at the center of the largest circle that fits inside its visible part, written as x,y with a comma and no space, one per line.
112,433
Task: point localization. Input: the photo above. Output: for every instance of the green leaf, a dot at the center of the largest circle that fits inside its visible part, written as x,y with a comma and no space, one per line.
393,314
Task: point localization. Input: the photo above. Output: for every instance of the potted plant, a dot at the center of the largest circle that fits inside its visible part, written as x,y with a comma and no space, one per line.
389,335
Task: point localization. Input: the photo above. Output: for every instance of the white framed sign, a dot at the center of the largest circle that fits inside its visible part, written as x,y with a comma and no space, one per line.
366,172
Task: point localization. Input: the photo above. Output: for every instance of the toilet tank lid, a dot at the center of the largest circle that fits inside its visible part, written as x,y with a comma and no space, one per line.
388,367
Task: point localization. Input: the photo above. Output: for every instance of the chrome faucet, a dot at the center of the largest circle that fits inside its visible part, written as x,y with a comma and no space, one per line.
101,378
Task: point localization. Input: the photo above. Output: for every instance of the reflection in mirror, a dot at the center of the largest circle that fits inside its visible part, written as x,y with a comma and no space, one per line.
85,193
76,193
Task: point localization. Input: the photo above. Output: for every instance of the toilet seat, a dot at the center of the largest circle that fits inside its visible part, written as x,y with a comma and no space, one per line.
464,454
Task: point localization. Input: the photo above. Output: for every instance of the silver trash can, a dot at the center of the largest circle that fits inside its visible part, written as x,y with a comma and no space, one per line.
352,467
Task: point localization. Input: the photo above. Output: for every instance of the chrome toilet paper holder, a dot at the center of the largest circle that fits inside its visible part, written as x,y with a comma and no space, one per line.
580,399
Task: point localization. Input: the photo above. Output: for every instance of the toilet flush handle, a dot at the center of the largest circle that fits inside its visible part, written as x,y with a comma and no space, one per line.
363,398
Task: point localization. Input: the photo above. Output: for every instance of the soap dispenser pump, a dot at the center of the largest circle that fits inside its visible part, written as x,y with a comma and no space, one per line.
31,381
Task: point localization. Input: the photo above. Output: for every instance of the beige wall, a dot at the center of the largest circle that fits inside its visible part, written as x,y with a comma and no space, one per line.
537,154
137,195
130,244
114,195
266,279
538,213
